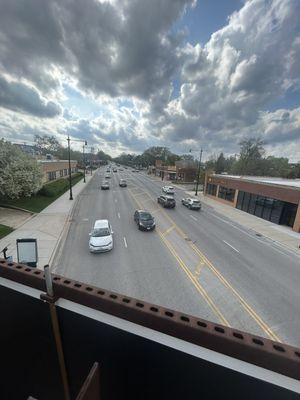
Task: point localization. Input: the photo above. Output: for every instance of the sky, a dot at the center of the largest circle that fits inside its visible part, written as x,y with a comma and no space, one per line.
127,75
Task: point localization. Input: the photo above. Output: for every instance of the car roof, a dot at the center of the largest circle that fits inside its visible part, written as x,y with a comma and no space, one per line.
169,197
101,223
144,211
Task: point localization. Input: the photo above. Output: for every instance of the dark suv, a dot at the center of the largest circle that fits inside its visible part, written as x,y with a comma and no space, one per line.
144,220
166,201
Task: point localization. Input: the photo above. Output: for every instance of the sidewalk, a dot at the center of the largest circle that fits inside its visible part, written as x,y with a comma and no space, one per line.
47,226
278,233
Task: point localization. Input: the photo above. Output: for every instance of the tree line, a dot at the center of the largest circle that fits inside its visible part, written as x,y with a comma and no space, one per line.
20,174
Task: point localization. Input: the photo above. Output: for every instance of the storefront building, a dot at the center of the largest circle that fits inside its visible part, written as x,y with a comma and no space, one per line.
273,199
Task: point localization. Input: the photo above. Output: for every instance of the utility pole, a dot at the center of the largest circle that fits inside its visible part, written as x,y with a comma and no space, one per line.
70,178
84,144
198,173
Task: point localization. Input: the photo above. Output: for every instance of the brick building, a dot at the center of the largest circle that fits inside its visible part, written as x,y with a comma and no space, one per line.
184,171
56,169
274,199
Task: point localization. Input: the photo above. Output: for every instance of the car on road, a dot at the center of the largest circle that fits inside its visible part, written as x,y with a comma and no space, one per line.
122,183
107,176
166,201
144,220
115,170
104,185
192,204
168,189
101,237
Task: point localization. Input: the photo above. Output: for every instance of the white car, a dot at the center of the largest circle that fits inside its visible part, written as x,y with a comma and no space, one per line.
192,204
168,189
101,237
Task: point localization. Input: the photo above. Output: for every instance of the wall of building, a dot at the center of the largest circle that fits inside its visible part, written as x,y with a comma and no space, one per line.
57,169
283,194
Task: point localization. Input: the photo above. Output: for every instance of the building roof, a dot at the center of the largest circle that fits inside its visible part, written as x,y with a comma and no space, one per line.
294,183
55,161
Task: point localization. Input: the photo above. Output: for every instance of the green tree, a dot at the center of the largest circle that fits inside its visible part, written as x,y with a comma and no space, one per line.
46,143
220,164
20,174
251,157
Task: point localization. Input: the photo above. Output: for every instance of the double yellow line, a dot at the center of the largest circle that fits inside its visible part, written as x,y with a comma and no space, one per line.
197,285
244,304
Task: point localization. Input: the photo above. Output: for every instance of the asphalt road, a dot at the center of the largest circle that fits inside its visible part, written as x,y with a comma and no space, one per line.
195,262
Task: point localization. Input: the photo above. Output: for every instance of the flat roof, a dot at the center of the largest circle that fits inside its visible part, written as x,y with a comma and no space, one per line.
295,183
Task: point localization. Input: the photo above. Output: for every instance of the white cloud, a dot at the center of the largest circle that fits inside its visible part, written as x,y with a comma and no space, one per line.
121,59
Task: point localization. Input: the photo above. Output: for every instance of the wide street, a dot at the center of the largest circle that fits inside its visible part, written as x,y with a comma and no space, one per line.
195,262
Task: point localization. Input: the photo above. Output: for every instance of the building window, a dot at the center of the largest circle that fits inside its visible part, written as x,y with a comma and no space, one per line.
211,189
226,193
273,210
51,175
240,199
61,173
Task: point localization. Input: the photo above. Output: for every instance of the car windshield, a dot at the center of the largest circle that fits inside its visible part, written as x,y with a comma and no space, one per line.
196,201
145,216
99,232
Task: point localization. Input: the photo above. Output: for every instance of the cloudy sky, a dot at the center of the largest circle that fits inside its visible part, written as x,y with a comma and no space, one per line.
128,74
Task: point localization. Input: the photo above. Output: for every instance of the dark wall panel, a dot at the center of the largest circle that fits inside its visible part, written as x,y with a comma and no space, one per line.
131,367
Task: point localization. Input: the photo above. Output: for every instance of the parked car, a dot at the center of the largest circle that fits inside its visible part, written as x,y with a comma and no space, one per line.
107,176
101,237
144,220
192,204
105,185
122,183
168,189
166,201
115,170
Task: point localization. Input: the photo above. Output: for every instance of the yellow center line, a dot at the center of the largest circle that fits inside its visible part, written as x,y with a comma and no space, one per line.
243,302
199,267
197,285
168,230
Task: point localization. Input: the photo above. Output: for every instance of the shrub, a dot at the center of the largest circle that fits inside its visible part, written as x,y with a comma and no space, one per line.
54,189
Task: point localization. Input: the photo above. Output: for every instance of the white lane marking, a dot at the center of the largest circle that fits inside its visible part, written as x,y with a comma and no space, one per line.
195,219
125,242
272,245
116,200
85,219
119,216
228,244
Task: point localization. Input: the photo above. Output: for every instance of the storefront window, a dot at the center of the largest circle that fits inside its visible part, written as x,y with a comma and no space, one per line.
226,193
211,189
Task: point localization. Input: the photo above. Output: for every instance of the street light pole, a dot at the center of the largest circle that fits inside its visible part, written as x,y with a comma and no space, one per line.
83,162
198,173
70,178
